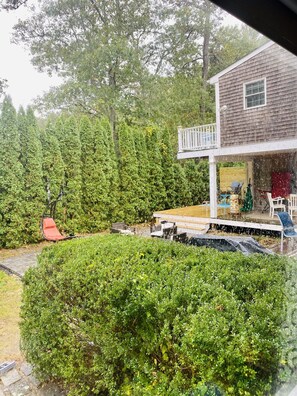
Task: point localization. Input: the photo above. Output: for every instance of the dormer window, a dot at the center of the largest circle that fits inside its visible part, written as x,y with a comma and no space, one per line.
254,94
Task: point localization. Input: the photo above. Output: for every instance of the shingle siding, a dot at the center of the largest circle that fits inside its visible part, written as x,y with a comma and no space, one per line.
275,121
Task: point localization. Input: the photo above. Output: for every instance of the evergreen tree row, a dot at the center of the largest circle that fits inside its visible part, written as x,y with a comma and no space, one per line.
74,159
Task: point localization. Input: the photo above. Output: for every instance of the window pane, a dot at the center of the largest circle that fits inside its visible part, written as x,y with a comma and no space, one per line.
254,88
255,100
255,94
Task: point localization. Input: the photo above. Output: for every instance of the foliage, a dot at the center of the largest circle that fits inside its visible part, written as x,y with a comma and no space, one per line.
156,172
99,49
3,86
71,152
129,176
182,188
143,175
197,180
52,169
116,315
11,179
233,43
74,159
31,158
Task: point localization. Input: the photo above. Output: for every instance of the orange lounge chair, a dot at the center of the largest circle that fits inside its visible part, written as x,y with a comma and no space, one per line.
50,231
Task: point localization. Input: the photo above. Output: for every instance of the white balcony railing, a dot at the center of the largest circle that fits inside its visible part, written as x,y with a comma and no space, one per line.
197,138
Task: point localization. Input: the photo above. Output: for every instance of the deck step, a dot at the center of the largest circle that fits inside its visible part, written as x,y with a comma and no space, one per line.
190,225
176,218
192,230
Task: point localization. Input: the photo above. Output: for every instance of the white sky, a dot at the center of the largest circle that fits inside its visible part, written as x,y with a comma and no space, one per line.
24,82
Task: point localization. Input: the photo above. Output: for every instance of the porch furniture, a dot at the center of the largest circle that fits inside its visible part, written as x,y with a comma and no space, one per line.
292,205
262,196
288,227
225,198
122,228
275,203
236,187
164,230
234,204
50,231
181,237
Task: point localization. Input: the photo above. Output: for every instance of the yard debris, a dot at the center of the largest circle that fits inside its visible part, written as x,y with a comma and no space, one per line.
6,366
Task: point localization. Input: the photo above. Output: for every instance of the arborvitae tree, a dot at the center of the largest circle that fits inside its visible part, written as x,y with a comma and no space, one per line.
71,154
129,179
168,162
183,194
197,180
158,192
111,168
144,212
11,179
53,169
88,148
34,194
95,192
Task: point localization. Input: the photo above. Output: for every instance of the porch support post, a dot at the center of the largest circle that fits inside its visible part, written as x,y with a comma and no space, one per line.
282,242
213,187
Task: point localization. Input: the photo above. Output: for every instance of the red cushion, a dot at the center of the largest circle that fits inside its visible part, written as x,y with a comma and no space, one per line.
50,230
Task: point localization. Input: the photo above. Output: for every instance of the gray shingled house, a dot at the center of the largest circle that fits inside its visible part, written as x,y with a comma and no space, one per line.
256,123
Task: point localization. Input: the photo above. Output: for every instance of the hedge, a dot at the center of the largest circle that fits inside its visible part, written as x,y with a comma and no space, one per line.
120,315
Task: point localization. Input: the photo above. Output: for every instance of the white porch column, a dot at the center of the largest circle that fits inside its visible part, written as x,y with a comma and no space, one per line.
213,187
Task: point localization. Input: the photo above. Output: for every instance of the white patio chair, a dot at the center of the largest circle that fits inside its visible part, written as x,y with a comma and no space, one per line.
292,205
275,203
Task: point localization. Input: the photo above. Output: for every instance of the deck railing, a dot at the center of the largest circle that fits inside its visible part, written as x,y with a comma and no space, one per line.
197,138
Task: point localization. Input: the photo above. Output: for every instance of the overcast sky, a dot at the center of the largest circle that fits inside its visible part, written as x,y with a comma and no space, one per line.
24,82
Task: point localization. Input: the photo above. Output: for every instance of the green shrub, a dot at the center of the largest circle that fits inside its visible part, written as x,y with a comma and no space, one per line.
119,315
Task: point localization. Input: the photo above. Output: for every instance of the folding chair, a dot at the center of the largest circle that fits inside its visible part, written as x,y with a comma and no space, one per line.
288,227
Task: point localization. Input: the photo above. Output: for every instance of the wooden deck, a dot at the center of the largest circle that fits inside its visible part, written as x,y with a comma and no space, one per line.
194,218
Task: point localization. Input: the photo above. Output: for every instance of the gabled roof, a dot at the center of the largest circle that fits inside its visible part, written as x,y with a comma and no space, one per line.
215,78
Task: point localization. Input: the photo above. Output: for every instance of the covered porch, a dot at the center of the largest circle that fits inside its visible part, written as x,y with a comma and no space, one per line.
267,165
196,220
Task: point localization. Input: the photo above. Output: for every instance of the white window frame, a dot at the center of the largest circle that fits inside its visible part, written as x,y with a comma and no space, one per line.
244,94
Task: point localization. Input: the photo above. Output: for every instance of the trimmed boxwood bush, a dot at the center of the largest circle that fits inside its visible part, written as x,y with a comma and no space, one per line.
120,315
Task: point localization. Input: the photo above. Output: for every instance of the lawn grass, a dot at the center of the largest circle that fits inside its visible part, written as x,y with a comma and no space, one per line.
10,300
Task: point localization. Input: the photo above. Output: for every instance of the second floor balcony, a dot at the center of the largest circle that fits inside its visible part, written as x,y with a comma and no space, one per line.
197,138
